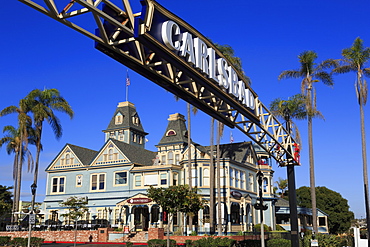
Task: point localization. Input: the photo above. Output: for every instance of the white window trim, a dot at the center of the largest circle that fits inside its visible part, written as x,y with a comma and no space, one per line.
114,178
97,187
58,185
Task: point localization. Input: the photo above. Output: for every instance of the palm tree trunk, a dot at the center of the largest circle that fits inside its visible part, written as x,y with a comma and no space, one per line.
36,171
189,162
219,220
310,110
19,177
211,182
15,196
364,164
312,176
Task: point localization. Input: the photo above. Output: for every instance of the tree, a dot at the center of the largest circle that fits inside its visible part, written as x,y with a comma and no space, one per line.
354,60
229,54
220,129
42,105
297,110
179,198
5,202
310,73
76,207
282,184
332,203
12,141
24,121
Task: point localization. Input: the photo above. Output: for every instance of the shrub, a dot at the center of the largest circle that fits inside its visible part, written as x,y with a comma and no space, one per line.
278,243
35,242
279,228
214,242
4,240
160,243
18,242
257,227
249,243
326,240
178,232
193,233
188,242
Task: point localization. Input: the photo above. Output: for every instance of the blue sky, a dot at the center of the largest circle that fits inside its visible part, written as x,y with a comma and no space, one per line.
38,52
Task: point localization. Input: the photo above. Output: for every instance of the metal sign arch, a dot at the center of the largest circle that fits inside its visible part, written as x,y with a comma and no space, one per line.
137,41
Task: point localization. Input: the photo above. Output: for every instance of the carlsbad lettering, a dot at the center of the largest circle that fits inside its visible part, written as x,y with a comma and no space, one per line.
198,54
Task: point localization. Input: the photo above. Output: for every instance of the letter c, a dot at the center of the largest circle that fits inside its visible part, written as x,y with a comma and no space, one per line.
169,29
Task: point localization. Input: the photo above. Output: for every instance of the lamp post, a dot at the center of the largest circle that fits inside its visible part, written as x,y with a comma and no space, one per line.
31,216
260,178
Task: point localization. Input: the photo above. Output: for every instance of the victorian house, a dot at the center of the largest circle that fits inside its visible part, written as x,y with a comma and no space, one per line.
115,178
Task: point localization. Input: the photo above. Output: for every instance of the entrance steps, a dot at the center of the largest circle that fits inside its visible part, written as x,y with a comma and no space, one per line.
137,237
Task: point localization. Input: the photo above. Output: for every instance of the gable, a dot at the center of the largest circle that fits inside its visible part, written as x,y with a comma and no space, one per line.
110,154
71,157
197,152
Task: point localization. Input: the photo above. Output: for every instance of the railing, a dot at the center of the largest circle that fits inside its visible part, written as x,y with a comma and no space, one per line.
60,226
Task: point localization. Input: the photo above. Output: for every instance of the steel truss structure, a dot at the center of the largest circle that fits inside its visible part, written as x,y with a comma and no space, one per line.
123,35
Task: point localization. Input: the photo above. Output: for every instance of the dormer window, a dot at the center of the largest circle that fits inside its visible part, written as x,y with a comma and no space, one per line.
135,119
171,133
118,119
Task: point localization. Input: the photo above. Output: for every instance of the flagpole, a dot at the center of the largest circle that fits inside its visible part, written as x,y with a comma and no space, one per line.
127,84
126,92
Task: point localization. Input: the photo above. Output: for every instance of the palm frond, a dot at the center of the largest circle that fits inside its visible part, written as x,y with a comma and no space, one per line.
289,74
325,77
366,72
343,69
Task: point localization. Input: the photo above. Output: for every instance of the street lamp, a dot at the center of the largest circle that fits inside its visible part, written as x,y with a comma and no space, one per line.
260,206
31,216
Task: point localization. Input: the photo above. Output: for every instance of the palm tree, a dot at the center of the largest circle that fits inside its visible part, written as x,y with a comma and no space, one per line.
297,110
220,129
24,123
229,54
354,60
310,73
212,178
42,105
282,185
13,144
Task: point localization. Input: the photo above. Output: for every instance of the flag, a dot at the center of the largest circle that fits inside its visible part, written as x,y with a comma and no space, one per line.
231,137
127,80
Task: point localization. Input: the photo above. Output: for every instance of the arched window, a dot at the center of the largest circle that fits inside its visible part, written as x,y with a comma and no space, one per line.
155,214
175,178
171,133
68,159
110,154
235,213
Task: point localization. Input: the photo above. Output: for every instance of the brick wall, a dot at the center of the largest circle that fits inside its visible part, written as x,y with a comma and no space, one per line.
57,236
101,235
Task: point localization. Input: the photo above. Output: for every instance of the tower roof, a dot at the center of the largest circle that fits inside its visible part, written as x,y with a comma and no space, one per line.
125,117
176,131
